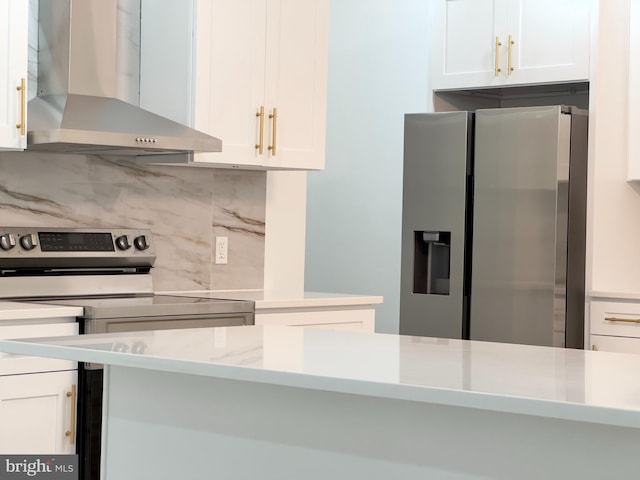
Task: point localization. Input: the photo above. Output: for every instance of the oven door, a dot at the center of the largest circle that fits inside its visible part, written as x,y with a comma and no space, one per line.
90,375
137,324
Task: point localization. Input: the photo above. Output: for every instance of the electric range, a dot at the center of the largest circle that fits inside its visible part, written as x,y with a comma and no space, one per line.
108,273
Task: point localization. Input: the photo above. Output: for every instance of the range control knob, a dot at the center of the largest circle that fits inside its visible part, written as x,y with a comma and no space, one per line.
122,242
29,241
7,241
141,242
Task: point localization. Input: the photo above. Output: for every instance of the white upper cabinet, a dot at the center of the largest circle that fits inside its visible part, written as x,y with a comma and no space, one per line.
230,77
463,49
633,125
296,82
485,43
13,76
259,77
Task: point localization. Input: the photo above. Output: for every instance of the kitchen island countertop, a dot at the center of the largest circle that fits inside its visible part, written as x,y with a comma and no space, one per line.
541,381
280,402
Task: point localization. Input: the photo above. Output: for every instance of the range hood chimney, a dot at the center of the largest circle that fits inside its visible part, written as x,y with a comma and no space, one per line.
76,109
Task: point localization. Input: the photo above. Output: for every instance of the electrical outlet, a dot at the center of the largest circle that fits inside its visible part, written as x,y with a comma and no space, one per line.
222,245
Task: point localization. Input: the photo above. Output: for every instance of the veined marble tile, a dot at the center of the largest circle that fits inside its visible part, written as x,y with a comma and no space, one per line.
32,66
239,213
185,208
128,51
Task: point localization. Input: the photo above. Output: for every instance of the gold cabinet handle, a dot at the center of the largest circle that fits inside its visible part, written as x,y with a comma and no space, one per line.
624,320
509,56
71,433
260,146
594,348
498,45
22,88
274,117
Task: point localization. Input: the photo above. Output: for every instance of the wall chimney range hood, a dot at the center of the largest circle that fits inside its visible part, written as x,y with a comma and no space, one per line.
76,109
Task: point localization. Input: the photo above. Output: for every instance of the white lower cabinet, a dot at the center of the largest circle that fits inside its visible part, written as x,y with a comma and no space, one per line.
354,318
37,413
607,343
37,395
615,326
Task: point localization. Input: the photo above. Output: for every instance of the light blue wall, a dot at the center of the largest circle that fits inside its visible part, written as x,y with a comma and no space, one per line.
377,73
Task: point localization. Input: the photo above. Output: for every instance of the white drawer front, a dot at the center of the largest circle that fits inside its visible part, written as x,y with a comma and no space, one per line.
338,326
605,343
11,364
615,318
344,319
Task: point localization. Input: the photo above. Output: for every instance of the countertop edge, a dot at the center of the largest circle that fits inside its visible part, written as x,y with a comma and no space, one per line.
613,295
285,300
27,311
425,394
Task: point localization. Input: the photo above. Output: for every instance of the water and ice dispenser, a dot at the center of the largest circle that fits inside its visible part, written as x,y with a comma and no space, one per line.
432,262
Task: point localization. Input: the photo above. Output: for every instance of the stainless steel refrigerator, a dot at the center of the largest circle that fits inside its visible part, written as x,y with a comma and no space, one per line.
493,225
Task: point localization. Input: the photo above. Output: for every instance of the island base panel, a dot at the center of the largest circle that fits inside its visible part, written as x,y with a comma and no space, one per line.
168,425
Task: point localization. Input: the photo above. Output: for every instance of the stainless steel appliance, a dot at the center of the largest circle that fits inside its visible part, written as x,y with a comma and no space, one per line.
493,225
108,273
77,109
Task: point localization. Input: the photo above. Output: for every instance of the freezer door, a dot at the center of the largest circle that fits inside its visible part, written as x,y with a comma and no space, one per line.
436,166
518,278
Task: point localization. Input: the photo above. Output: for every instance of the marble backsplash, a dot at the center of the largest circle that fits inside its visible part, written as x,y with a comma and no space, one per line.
185,208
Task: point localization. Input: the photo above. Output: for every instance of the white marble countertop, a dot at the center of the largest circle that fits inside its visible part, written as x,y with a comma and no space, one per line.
24,311
598,387
265,299
614,295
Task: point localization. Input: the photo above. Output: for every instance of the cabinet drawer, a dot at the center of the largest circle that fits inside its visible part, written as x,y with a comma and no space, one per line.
11,364
356,318
620,318
339,326
605,343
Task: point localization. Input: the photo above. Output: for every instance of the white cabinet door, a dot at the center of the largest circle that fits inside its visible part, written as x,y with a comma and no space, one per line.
248,57
485,43
550,40
36,413
466,50
13,76
296,83
230,78
261,81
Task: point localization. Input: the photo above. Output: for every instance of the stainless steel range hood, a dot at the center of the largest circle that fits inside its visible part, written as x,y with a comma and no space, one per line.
76,110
